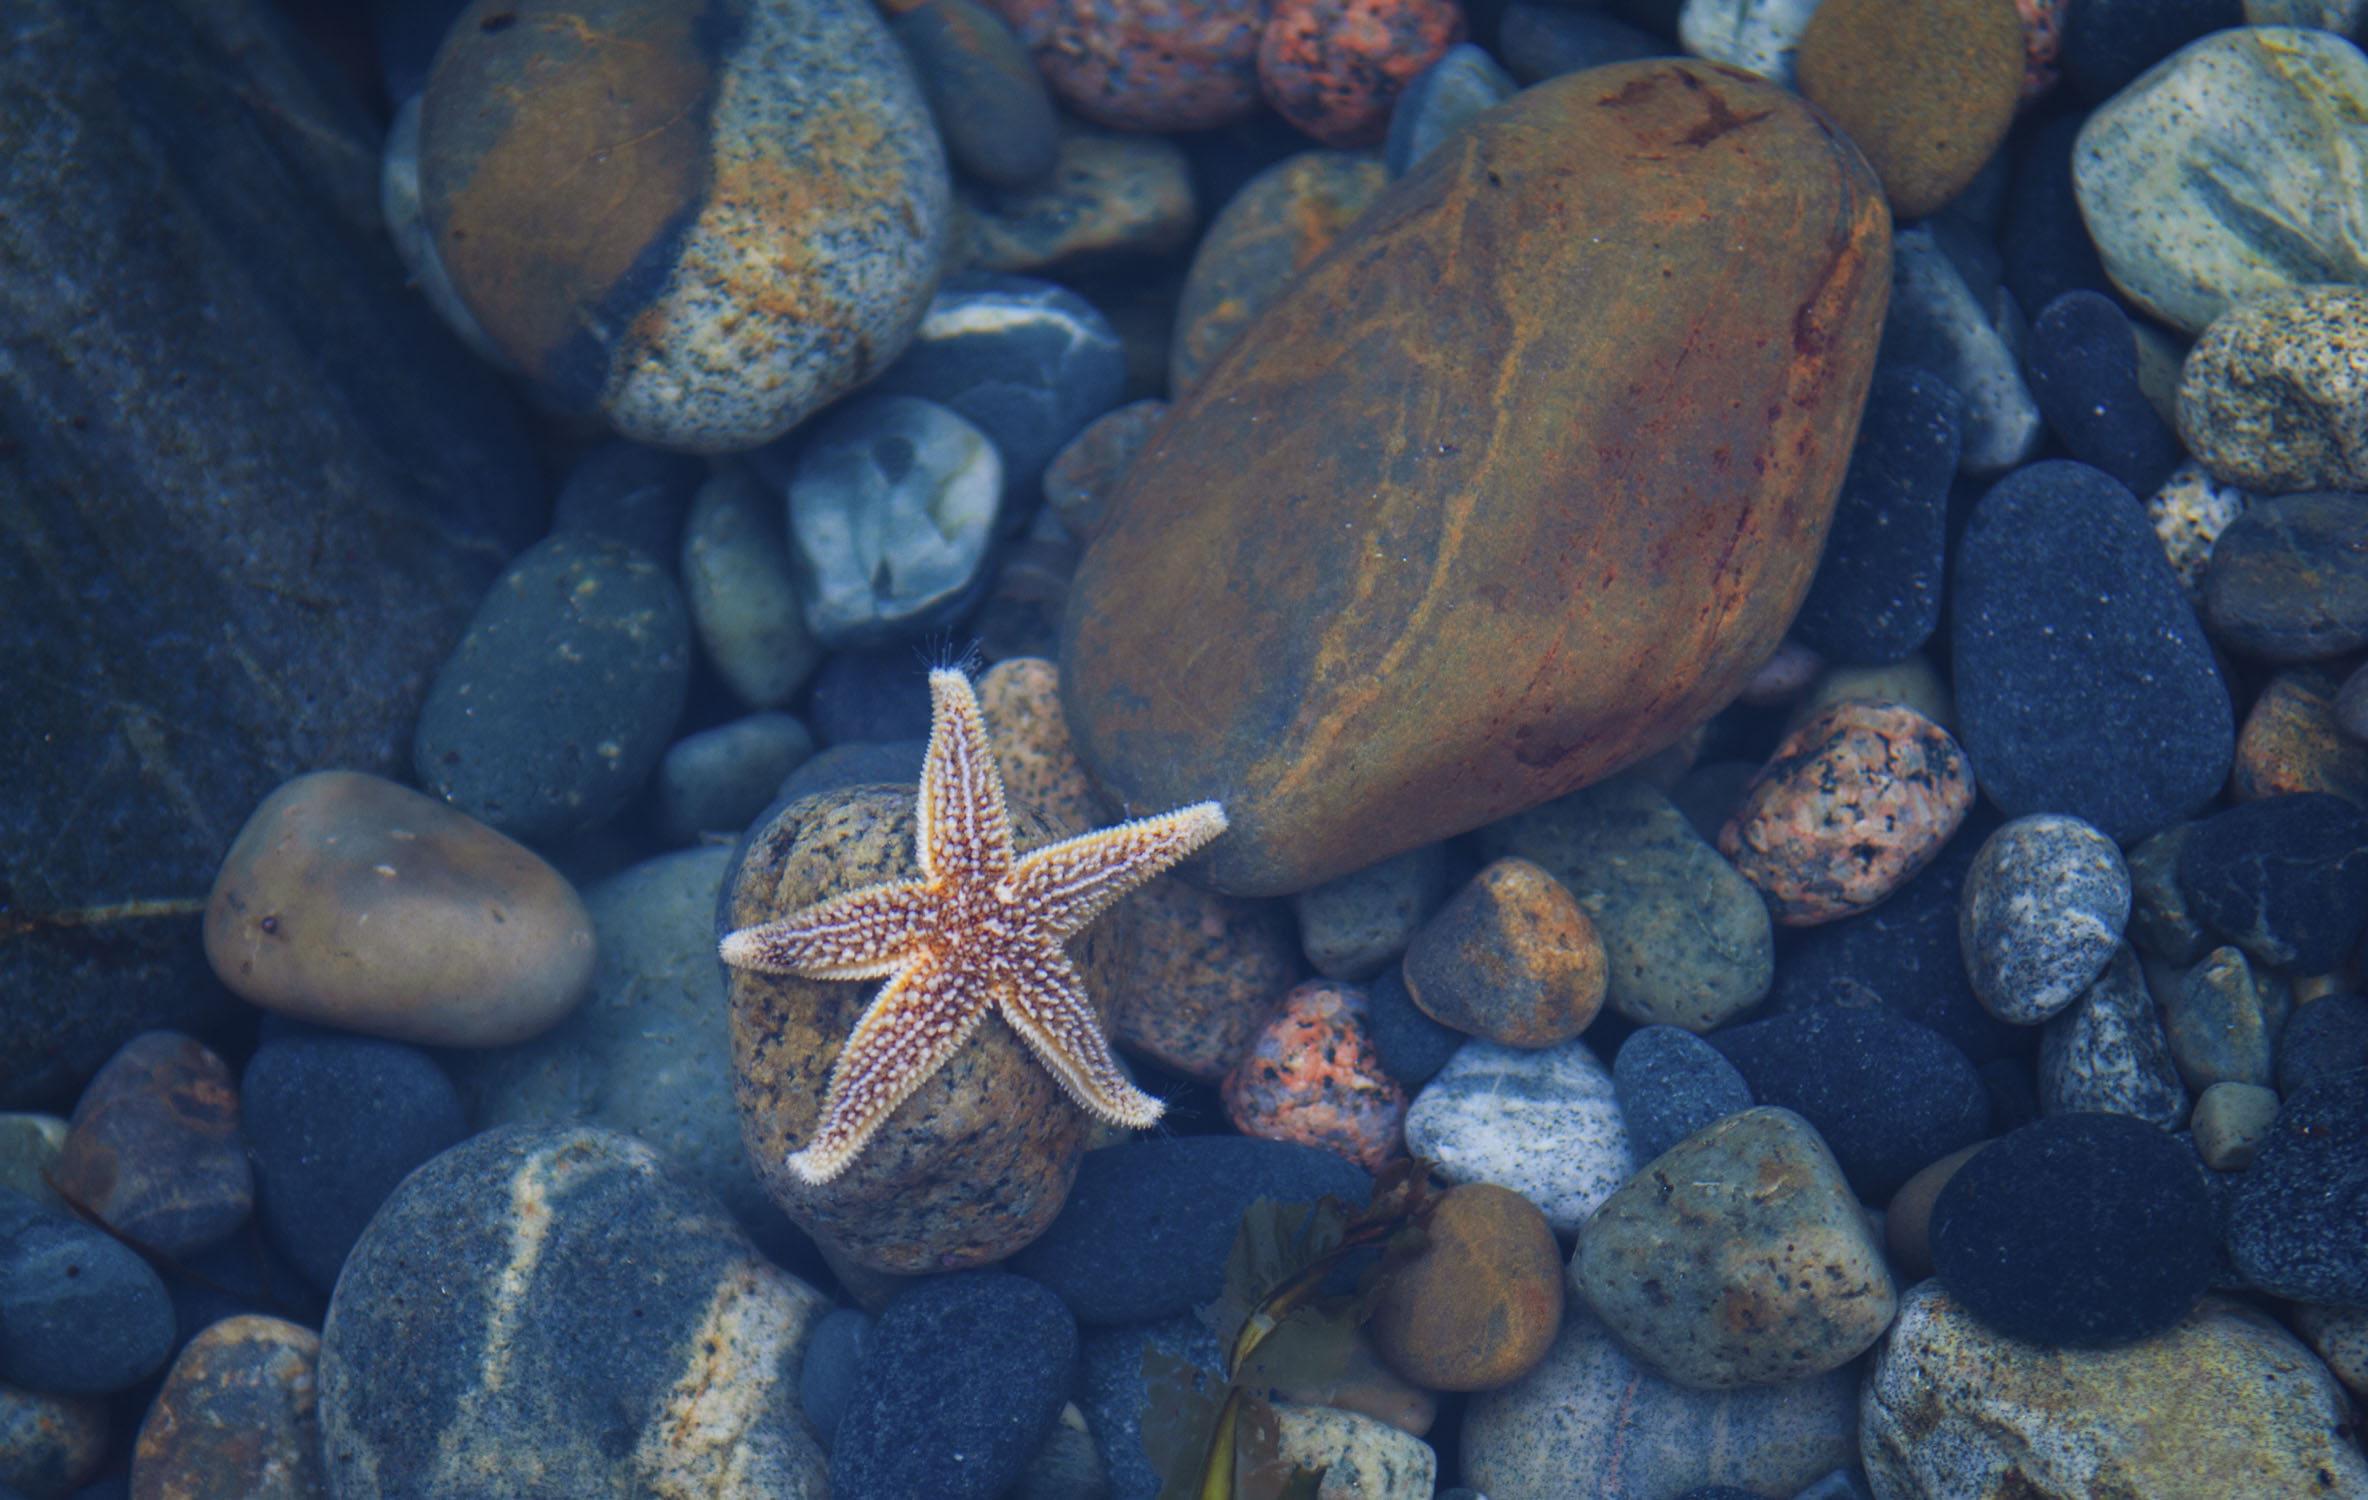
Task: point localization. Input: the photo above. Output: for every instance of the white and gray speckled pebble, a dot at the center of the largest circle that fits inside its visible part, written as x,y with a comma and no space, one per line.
1544,1123
2107,1052
2188,514
1359,1457
2041,915
744,601
1758,36
719,779
1936,323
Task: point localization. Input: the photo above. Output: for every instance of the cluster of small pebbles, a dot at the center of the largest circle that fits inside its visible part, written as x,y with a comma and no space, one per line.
1844,840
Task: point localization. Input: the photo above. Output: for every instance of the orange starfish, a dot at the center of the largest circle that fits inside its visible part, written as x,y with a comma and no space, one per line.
982,926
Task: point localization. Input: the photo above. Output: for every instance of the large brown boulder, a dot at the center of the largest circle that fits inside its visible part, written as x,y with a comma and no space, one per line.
1514,484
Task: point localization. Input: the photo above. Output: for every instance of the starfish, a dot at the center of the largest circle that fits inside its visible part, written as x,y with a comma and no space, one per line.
982,927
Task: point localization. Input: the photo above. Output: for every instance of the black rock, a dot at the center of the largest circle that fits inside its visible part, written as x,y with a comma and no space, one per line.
2107,43
1670,1084
871,693
2014,1093
2298,1226
2048,251
632,494
2287,579
1876,596
335,1123
835,1357
2077,1229
1112,1393
2082,364
2084,684
562,696
2323,1036
1148,1226
1541,39
967,1374
1889,1096
1412,1045
1440,100
2284,878
80,1313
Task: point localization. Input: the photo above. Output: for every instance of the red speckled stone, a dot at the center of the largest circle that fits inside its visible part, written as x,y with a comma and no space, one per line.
1146,64
1855,801
2043,43
1312,1076
1334,67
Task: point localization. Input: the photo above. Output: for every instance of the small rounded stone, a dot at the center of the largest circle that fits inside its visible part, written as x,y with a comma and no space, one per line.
50,1445
1480,1303
2042,912
1510,958
1354,926
239,1414
1545,1123
2273,396
1334,68
742,592
1161,66
1111,193
2189,514
1079,480
154,1149
2231,1122
1907,1218
1312,1077
2298,1222
1783,676
1926,88
1671,1083
1849,806
358,903
1202,973
80,1313
989,100
715,781
2287,581
2223,1019
2292,742
2340,1335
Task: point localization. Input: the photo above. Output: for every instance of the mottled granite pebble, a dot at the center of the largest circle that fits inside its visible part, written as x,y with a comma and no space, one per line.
2327,1034
1544,1123
2043,911
1110,193
1203,975
2108,1052
2271,397
2189,513
1312,1076
239,1414
50,1444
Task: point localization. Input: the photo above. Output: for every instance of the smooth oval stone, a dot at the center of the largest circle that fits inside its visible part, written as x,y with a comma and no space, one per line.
358,903
1412,1046
743,594
1440,100
2083,369
1278,222
634,494
2298,1226
1937,322
891,507
1593,1408
1877,594
1110,194
2271,397
2234,167
715,781
1738,1257
2223,1021
703,232
239,1414
2293,742
1670,1084
563,693
1312,1076
1355,926
2231,1122
835,1357
2340,1335
154,1149
1481,1302
406,226
50,1444
1078,481
2288,581
2042,913
1926,88
1335,70
1510,958
2067,618
1952,1408
989,100
966,1376
559,1310
1455,597
80,1313
2284,878
1148,1226
1544,1122
979,1159
1758,36
1158,66
2108,1053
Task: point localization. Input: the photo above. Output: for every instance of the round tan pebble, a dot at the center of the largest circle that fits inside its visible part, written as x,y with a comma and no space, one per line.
1511,957
1481,1303
154,1148
2231,1121
239,1414
1907,1219
2291,742
2340,1335
1313,1076
361,904
50,1445
1203,971
1926,88
1334,68
1852,804
1020,698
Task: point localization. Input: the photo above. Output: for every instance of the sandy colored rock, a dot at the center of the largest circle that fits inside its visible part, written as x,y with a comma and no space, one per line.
2273,397
1020,698
1926,88
1511,957
1359,1457
239,1414
361,904
1481,1303
1313,1076
1455,528
2340,1335
2225,1405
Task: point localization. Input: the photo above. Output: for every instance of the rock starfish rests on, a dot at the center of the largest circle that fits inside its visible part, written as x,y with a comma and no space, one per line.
982,927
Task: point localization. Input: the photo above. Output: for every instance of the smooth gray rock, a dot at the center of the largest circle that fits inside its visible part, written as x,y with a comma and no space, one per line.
1670,1084
1441,100
1936,324
743,592
2224,1020
1357,925
2108,1052
636,494
719,779
2041,914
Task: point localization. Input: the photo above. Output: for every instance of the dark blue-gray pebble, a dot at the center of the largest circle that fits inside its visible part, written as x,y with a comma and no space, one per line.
244,1274
2014,1093
1903,956
2298,1226
1028,362
990,102
871,693
1889,1096
967,1375
335,1122
2284,878
2084,684
1148,1226
718,779
1541,39
842,1341
1877,593
2046,244
80,1313
2288,580
117,1488
632,494
1439,101
1841,1484
563,693
1112,1394
1670,1084
2077,1229
1412,1045
2082,365
2323,1036
2107,43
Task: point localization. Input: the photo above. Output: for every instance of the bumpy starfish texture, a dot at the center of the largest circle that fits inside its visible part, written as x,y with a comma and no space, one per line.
982,927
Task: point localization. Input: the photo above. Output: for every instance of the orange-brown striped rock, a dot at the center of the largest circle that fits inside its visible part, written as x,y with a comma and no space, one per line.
239,1414
1511,957
1481,1302
154,1150
1515,483
703,224
1313,1076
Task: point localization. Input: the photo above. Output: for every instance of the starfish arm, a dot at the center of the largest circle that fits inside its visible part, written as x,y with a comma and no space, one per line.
965,831
919,1020
1049,1010
1070,883
860,935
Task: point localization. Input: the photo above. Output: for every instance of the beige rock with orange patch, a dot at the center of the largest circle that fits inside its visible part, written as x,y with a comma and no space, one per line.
1738,1257
1852,804
1511,957
1313,1076
2292,743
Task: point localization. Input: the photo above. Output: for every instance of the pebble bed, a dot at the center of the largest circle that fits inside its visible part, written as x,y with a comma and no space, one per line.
1939,1070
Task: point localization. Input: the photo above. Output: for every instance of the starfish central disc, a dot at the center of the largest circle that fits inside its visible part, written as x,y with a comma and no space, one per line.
983,927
